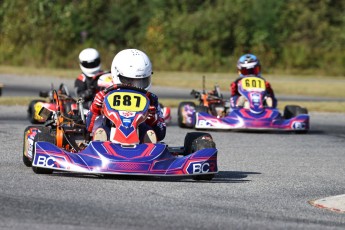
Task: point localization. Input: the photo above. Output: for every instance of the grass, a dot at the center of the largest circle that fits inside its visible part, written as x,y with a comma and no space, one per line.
319,86
16,100
332,107
43,72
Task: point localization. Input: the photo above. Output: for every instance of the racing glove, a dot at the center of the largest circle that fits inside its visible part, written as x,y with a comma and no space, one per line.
269,88
233,88
152,118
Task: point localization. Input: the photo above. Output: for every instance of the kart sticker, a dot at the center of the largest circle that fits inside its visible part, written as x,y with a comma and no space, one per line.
201,167
204,123
37,108
126,114
298,125
250,83
127,101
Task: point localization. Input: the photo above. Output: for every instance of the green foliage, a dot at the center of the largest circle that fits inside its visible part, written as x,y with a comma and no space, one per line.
195,35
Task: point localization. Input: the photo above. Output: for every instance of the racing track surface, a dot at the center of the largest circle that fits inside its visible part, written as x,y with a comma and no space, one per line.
265,182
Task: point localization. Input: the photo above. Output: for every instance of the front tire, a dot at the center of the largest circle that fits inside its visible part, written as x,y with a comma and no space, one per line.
46,136
27,162
195,141
291,111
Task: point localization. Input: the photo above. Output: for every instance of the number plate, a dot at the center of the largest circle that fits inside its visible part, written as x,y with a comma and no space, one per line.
250,83
127,101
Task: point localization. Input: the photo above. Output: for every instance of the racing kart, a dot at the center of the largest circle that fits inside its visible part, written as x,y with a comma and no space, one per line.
254,115
62,144
68,103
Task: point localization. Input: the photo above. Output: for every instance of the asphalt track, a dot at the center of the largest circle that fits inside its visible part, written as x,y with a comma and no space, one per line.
265,181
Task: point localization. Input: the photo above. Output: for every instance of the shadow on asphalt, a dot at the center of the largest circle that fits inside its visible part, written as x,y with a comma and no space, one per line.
221,177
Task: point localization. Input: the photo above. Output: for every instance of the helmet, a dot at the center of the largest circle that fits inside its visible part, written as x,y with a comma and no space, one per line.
90,62
248,64
132,66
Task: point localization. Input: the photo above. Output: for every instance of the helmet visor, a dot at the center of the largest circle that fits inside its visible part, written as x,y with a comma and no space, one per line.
137,82
91,64
255,71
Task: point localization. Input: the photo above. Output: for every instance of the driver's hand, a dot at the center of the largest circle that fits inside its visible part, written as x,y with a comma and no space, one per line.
152,118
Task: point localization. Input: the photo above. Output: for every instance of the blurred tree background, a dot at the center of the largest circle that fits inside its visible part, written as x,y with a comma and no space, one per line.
295,36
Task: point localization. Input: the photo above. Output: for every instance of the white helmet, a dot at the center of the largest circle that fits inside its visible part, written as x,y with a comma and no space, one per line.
132,66
89,62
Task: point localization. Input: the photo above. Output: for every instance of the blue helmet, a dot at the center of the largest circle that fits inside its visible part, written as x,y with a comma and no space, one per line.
249,64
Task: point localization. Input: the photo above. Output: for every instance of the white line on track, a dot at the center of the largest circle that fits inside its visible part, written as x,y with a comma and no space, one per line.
332,203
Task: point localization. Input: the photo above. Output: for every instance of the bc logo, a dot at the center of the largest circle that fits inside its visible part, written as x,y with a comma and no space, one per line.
45,161
195,168
203,123
298,125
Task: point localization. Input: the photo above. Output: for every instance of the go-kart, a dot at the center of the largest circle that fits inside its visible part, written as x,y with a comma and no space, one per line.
61,144
68,103
254,115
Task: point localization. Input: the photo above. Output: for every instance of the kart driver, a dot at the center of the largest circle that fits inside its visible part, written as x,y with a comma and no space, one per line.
249,64
86,85
132,67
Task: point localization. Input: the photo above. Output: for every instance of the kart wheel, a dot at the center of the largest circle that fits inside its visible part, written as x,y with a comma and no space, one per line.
180,111
26,160
31,111
44,135
291,111
195,141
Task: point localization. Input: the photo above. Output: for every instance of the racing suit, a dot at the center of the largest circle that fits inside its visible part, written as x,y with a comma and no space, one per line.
86,88
235,95
154,121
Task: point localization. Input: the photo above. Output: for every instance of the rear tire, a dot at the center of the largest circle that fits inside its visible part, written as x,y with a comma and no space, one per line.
291,111
180,120
46,136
